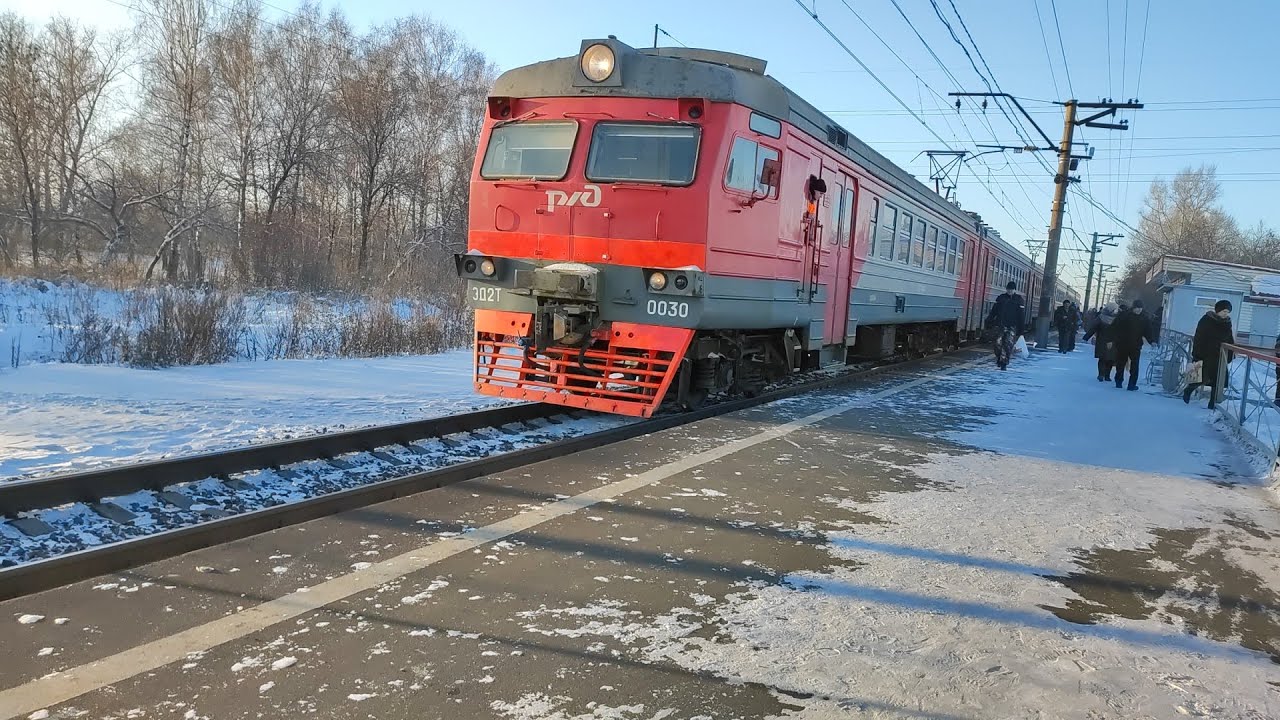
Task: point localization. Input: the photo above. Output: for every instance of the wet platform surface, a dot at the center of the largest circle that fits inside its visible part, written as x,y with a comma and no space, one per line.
945,541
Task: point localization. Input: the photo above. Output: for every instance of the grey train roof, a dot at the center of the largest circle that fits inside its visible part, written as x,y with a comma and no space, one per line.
719,77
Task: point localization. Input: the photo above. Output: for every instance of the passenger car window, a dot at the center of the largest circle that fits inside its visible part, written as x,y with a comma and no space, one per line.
917,247
643,153
885,233
904,239
846,217
834,192
931,253
952,243
533,150
746,160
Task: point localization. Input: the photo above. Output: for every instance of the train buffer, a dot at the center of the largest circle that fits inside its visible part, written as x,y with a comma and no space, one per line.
945,540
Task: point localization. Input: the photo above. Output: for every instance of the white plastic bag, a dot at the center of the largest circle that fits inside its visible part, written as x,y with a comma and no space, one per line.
1020,347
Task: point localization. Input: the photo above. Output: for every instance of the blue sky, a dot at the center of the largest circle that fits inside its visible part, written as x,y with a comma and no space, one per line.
1212,98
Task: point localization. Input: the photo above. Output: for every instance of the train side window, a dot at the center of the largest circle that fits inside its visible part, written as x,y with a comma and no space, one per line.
846,216
960,254
951,255
917,247
765,125
885,233
930,254
746,162
904,239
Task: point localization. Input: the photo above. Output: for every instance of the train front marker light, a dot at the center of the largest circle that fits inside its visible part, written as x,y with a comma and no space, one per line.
681,282
469,266
598,62
487,268
657,281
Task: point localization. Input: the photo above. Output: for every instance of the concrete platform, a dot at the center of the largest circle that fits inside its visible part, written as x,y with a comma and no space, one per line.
944,542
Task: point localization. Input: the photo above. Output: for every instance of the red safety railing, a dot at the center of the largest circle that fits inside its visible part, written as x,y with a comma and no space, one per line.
627,369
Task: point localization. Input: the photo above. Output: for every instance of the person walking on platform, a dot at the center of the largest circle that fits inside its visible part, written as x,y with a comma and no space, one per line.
1006,318
1104,348
1128,331
1212,331
1066,319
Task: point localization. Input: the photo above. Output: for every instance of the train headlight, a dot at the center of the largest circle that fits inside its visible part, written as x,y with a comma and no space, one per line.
598,62
681,282
487,268
657,281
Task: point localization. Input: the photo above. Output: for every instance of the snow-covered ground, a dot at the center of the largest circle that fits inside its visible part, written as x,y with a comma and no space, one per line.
61,417
961,599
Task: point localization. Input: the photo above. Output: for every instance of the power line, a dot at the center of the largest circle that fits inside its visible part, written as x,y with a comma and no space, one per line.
830,33
949,74
1066,67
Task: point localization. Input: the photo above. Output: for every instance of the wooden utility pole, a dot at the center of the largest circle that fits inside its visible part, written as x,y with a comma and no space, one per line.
1099,241
1062,180
1067,163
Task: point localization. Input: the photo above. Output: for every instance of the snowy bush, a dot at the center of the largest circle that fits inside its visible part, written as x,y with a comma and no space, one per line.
183,327
70,321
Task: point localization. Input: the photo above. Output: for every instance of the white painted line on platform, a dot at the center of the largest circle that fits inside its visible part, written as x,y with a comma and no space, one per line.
61,687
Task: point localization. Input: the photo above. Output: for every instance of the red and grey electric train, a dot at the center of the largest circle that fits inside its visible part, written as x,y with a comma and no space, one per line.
674,222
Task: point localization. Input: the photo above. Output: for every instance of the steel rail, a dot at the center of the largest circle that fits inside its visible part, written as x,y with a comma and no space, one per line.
32,577
92,485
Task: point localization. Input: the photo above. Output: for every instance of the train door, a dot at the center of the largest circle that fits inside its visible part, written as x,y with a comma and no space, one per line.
843,198
817,199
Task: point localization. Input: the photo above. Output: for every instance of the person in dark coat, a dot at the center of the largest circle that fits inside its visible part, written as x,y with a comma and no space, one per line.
1006,318
1066,319
1213,330
1103,347
1130,328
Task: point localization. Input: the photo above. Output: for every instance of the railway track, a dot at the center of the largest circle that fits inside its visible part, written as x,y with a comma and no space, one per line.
66,528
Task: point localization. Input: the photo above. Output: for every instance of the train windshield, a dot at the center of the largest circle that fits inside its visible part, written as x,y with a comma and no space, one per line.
643,152
534,150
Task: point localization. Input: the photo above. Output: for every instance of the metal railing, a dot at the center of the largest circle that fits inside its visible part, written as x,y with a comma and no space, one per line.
1250,398
1171,357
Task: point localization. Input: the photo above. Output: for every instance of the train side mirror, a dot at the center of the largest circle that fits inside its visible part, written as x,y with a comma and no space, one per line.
816,186
769,173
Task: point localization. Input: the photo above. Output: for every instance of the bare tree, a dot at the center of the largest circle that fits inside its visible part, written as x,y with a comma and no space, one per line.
371,105
178,90
81,68
24,102
238,103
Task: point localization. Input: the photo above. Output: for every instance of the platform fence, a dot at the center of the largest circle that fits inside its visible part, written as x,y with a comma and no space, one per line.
1170,360
1250,398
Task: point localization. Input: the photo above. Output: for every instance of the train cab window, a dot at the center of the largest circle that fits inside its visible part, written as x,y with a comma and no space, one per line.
533,150
846,217
952,243
765,125
904,239
746,160
888,226
643,153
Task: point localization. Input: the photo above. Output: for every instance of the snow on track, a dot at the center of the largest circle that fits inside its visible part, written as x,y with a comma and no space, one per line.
77,527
